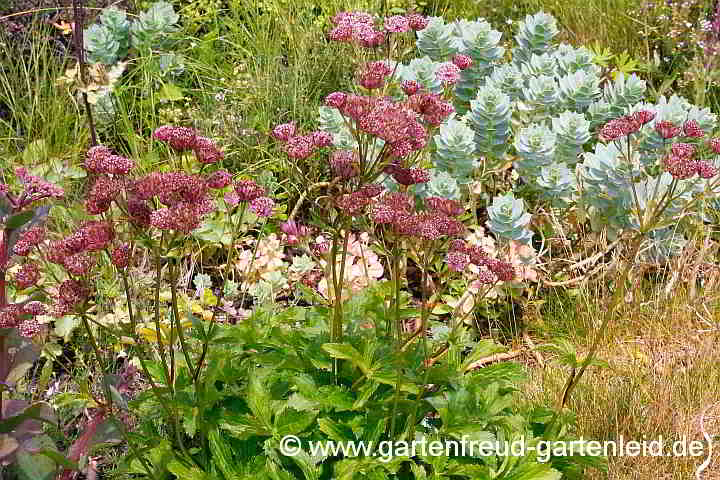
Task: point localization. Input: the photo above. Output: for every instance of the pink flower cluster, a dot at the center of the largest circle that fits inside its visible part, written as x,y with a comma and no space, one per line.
300,146
75,254
352,204
394,122
448,73
35,189
100,159
22,316
27,276
359,27
462,61
626,125
373,74
462,254
185,196
407,176
431,106
344,164
682,164
396,211
294,232
28,239
182,139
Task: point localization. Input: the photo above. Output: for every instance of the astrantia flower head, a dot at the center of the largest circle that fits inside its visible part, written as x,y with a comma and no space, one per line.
171,187
714,145
27,276
408,176
101,195
433,108
448,73
294,232
355,27
397,24
391,208
373,75
284,131
667,130
462,61
179,138
29,328
371,190
183,217
34,308
206,151
621,127
262,206
100,159
682,150
344,164
300,147
36,188
692,129
706,170
410,87
79,264
446,206
72,292
335,99
417,21
120,255
28,239
680,167
321,138
10,315
248,190
643,116
352,204
457,261
219,179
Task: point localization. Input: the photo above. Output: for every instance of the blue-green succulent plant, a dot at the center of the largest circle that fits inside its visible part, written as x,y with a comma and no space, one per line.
508,220
489,117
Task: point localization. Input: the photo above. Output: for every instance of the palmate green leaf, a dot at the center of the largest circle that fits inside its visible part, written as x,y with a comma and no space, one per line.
186,472
291,421
335,431
244,426
373,468
222,455
259,399
390,378
345,351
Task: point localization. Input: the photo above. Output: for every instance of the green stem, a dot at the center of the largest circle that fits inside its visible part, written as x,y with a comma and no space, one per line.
221,295
181,336
156,319
618,296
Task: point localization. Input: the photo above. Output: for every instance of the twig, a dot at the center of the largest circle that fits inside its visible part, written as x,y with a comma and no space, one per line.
531,345
78,19
498,357
304,195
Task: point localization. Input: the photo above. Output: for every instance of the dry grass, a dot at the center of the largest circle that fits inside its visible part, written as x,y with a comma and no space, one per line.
663,377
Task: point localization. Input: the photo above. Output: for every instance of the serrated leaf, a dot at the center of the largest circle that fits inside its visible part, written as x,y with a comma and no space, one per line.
291,421
336,431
